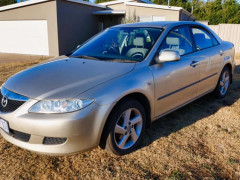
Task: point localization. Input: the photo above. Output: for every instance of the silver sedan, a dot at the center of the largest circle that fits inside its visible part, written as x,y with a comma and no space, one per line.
111,88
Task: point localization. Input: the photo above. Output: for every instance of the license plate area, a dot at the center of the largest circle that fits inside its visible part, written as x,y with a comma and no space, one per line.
4,125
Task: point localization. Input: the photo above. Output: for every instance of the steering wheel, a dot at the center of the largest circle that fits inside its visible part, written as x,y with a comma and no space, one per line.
109,47
137,55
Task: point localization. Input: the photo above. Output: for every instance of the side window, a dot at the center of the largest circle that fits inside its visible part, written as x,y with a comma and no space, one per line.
203,39
178,39
214,41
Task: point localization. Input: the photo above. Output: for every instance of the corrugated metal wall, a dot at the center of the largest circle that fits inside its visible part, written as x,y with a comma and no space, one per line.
228,32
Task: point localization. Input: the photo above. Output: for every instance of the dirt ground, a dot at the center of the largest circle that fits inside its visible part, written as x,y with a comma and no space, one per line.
199,141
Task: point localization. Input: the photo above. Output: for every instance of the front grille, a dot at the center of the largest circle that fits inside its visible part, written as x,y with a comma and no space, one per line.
20,135
53,141
11,106
14,101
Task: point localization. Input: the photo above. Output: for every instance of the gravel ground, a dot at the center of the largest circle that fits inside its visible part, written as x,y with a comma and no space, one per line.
199,141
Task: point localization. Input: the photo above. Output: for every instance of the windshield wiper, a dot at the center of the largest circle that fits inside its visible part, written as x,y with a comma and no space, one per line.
85,57
124,60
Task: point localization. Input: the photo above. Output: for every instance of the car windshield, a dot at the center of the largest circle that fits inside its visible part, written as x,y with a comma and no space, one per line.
124,44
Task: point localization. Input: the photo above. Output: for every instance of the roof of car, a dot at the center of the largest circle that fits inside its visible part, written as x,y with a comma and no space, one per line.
168,25
158,24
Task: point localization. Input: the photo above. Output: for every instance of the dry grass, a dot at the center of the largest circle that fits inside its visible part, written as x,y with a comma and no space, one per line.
199,141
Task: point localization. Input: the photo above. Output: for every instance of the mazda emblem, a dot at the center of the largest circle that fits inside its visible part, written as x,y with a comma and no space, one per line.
4,101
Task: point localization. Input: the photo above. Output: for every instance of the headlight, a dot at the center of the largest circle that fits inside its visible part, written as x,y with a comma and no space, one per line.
60,106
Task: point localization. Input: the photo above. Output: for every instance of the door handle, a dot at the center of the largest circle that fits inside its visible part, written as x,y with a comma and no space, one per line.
221,52
194,63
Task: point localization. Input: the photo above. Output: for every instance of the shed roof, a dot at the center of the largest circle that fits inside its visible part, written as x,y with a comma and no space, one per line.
148,4
174,8
32,2
109,12
123,1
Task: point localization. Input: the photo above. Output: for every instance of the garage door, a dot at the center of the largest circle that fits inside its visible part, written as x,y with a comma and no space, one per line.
24,37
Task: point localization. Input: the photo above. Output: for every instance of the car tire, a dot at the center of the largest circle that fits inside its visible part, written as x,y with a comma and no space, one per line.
125,127
223,83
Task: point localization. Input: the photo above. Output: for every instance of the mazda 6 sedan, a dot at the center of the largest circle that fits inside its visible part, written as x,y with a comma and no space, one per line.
111,88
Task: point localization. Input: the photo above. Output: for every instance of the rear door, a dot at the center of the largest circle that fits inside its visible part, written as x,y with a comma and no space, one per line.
208,48
175,82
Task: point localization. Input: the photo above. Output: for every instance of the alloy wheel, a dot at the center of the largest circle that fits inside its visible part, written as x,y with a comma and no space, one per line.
128,128
224,83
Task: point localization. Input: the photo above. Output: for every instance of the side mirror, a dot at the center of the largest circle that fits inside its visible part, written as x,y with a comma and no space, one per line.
168,56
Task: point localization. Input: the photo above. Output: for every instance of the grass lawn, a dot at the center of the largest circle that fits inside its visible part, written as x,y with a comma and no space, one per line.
199,141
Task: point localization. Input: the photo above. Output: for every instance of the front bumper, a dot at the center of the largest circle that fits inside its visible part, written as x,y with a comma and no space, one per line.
82,129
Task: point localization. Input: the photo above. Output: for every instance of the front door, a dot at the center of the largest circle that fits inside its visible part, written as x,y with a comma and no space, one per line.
176,82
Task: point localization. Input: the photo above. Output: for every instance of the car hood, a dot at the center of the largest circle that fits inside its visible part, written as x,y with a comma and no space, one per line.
65,78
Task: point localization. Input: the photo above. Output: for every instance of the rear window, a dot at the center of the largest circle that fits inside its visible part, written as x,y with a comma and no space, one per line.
203,39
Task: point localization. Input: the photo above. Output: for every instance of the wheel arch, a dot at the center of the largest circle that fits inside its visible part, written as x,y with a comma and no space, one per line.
140,97
229,66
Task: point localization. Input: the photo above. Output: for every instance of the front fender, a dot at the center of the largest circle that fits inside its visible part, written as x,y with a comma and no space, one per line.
109,93
138,81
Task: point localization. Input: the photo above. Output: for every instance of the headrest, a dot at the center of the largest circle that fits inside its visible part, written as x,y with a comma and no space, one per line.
172,41
138,41
140,35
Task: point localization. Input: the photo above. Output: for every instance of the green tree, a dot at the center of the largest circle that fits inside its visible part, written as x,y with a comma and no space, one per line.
101,1
6,2
231,12
188,6
161,2
199,10
215,11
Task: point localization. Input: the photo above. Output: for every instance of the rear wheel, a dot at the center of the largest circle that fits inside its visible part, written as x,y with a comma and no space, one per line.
223,83
126,126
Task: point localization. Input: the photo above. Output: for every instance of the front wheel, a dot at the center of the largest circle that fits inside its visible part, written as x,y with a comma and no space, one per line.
126,126
223,83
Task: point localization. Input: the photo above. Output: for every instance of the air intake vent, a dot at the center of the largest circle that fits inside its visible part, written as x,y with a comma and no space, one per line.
20,135
53,141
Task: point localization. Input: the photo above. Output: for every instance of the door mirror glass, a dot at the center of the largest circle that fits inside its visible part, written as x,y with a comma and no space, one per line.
167,56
